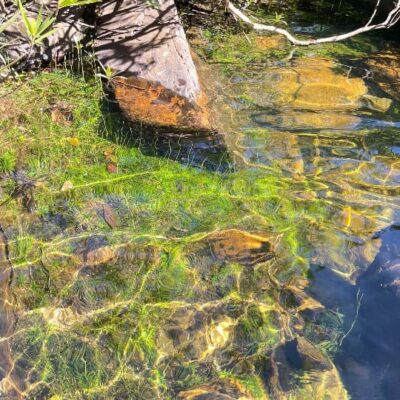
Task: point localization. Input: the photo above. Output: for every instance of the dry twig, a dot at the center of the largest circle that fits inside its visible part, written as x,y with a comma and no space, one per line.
392,18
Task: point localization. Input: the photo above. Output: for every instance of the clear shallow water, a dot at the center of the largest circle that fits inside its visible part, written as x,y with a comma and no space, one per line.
312,117
230,266
331,133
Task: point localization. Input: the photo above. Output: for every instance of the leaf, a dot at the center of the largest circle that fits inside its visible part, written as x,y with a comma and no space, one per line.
68,185
112,168
75,3
109,216
73,141
8,23
62,116
46,24
36,29
24,16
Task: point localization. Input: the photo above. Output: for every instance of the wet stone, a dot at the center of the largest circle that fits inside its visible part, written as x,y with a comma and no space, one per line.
217,391
304,356
194,334
308,121
271,42
147,102
241,247
386,69
299,361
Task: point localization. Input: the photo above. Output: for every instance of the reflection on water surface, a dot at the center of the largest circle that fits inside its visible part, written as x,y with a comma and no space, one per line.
334,136
274,278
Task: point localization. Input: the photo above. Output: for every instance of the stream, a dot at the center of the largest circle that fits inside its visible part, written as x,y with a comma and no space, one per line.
262,262
331,125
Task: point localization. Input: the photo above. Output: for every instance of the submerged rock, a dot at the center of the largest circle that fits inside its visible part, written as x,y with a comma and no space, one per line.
194,333
238,246
313,84
308,121
297,295
270,42
223,390
386,69
299,361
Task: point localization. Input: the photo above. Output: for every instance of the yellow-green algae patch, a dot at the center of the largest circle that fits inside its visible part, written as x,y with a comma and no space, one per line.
140,277
115,288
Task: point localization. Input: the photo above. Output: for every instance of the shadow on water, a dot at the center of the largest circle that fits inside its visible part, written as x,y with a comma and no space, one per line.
368,359
193,147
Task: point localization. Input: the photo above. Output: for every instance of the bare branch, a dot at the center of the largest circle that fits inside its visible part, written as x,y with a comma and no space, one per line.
392,18
374,13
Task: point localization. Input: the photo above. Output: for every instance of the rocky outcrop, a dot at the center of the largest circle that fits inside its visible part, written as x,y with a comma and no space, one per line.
147,42
153,75
147,47
299,360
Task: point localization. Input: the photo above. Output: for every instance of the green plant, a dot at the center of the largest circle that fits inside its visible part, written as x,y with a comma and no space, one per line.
109,74
75,3
279,19
7,161
36,29
8,23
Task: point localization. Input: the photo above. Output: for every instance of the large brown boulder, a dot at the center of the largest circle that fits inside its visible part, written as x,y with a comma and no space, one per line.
146,46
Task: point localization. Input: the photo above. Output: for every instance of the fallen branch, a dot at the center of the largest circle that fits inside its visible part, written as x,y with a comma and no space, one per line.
392,18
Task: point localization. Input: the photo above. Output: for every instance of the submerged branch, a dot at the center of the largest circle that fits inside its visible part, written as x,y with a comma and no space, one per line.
392,18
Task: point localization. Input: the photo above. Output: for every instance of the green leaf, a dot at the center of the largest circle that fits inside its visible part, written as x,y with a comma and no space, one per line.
45,25
25,19
36,28
8,23
40,38
75,3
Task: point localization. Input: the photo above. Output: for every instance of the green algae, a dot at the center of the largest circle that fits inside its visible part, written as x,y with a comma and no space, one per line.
115,294
97,325
101,298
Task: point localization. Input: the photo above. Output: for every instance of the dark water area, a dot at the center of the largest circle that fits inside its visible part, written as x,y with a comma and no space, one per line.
367,359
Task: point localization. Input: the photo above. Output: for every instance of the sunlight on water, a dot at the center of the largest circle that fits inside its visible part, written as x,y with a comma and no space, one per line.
334,133
246,265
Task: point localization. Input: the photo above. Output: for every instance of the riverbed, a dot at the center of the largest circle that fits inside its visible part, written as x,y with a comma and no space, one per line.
258,263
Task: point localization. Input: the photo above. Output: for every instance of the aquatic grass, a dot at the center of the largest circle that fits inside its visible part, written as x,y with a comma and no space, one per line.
252,383
100,324
8,161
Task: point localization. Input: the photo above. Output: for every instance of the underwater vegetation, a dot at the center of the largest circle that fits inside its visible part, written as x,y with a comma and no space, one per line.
138,267
142,280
